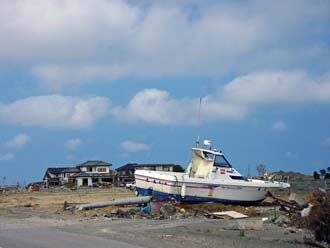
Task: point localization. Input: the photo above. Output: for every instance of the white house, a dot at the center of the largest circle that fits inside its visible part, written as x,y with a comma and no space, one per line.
94,173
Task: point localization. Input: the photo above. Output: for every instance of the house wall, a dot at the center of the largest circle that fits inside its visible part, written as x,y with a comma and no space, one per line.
96,169
80,181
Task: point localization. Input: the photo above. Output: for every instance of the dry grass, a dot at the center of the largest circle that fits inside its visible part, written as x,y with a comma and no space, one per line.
52,201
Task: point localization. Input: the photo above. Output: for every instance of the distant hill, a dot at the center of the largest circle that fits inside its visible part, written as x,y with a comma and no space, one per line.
292,174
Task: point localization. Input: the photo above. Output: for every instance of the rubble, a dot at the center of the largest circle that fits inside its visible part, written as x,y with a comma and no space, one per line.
227,215
167,210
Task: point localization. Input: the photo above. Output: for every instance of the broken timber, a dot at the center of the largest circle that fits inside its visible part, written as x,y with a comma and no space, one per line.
289,206
120,202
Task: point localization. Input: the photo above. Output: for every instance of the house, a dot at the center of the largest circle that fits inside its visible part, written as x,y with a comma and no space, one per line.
88,174
125,173
68,175
93,173
54,176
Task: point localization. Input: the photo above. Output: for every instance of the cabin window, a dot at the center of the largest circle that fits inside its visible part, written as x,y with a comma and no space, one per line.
208,155
237,177
221,161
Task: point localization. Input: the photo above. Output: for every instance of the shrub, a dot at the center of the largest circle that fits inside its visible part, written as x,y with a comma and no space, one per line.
318,220
316,175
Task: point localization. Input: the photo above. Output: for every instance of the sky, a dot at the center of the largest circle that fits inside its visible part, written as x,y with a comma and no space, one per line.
120,81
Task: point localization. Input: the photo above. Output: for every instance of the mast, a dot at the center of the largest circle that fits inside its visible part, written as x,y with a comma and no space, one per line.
199,122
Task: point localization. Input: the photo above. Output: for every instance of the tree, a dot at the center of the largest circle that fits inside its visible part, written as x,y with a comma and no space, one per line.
261,168
316,175
328,169
327,176
322,172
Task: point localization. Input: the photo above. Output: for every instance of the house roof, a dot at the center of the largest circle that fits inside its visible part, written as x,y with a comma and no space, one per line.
132,166
71,170
92,163
129,166
57,170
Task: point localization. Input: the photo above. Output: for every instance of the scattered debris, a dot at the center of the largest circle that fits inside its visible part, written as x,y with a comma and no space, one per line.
227,215
297,200
282,220
167,210
318,219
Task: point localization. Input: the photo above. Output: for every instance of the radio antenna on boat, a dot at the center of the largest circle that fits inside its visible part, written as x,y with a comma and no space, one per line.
199,122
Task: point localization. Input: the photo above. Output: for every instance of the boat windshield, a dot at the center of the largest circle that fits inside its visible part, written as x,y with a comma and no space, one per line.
221,161
208,155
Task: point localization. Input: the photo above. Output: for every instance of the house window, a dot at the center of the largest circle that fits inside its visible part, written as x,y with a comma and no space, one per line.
101,169
90,169
166,168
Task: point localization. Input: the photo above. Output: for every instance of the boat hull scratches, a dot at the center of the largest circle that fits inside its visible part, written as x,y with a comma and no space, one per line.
191,199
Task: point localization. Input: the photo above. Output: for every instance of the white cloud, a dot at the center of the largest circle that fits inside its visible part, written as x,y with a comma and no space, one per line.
233,101
156,106
55,111
18,141
132,146
276,87
72,42
73,144
6,156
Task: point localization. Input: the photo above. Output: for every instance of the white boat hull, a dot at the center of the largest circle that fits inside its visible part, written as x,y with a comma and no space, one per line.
168,185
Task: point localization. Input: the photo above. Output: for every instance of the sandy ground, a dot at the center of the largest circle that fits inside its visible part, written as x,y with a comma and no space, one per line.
44,210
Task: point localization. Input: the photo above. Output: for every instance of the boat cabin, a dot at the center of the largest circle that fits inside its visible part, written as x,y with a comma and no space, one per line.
211,164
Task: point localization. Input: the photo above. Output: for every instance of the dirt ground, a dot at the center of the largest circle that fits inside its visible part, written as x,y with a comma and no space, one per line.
45,209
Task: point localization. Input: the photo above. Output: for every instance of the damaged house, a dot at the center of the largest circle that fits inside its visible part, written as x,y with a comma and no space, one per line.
94,173
88,174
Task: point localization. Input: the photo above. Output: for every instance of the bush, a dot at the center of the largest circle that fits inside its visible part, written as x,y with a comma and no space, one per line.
316,175
318,220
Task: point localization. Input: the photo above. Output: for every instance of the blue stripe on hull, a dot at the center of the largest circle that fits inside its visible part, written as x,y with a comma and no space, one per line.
195,199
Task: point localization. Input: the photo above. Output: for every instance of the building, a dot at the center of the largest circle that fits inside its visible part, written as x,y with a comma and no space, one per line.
54,176
88,174
125,173
94,173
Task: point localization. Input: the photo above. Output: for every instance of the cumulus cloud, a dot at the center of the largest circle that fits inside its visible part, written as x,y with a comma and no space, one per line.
132,146
71,42
6,156
73,144
156,106
18,141
55,111
279,126
233,101
276,87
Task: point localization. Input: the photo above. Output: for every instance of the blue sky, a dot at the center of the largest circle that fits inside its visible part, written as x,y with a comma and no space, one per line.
120,81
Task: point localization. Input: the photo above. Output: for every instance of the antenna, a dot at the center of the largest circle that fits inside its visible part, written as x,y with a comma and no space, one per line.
199,122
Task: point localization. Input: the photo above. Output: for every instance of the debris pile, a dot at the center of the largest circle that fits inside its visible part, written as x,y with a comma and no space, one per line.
318,219
313,215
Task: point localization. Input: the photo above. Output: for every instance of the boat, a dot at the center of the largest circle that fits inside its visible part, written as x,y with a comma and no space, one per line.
209,177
